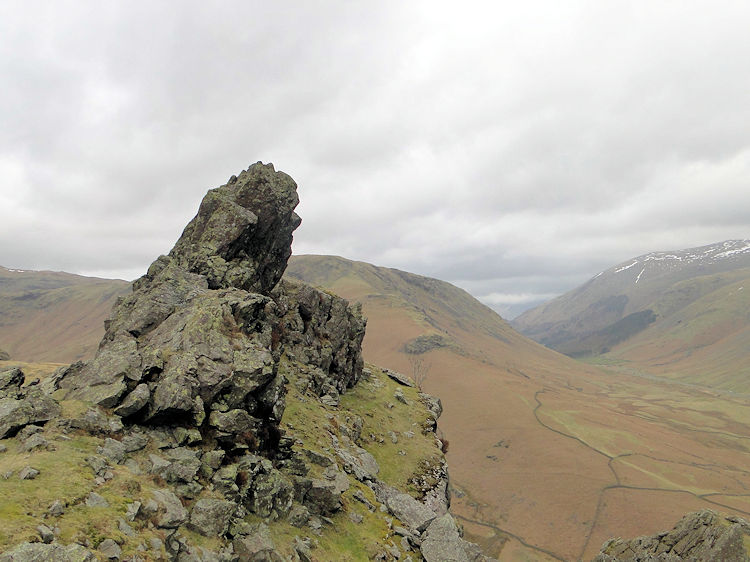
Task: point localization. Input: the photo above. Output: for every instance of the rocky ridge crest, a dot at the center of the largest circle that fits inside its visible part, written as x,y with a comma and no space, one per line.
703,535
198,342
189,385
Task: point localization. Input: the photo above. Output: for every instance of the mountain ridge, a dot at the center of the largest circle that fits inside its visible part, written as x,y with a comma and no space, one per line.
53,316
657,296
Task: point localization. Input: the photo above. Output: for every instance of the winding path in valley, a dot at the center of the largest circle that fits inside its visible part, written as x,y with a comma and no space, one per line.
735,474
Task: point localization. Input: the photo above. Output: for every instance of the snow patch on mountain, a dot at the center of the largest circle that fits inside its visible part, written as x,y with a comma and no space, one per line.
626,267
704,254
736,250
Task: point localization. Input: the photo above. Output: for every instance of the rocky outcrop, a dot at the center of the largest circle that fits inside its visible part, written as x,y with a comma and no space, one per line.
4,355
443,543
322,330
19,406
188,389
242,235
37,552
10,382
198,341
704,536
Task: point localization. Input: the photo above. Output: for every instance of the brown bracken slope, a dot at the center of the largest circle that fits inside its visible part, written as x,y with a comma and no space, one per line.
54,316
549,457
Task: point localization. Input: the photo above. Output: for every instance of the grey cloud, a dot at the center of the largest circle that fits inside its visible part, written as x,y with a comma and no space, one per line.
513,149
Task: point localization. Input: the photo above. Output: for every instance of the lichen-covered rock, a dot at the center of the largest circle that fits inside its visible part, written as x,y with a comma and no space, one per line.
256,545
110,549
414,514
39,552
211,460
181,465
225,481
358,462
323,496
35,441
302,547
271,495
704,536
242,234
210,517
56,509
298,516
96,500
171,512
400,378
28,431
322,330
432,483
114,451
95,421
32,408
28,473
194,339
234,422
200,337
46,534
135,401
134,441
443,543
10,382
433,403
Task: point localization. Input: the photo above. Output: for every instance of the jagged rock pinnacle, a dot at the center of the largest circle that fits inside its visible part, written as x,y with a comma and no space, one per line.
242,234
198,341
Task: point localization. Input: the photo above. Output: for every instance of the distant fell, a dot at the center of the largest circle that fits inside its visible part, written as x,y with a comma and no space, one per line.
429,301
681,314
52,315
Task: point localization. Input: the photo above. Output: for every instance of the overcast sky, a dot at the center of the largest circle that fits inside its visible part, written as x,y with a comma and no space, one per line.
513,148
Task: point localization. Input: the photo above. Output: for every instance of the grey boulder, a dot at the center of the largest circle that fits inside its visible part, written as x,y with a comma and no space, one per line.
414,514
171,512
35,408
443,543
211,517
39,552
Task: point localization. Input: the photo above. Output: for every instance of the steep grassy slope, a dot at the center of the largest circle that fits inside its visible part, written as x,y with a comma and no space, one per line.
53,316
549,457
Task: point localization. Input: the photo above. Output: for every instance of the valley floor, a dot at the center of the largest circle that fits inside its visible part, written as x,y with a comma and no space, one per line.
551,466
549,457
